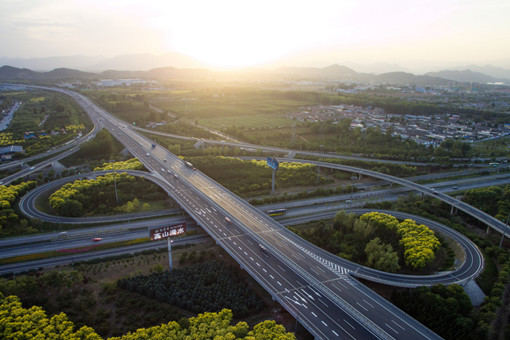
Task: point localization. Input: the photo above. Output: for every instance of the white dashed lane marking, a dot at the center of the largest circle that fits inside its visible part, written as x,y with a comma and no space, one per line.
349,324
361,306
398,325
390,327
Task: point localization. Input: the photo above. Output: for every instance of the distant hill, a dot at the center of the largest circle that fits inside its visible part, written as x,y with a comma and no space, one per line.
14,73
67,74
9,73
331,72
404,78
493,71
343,73
50,63
466,76
376,68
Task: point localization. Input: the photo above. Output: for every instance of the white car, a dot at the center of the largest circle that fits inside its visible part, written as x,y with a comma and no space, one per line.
163,170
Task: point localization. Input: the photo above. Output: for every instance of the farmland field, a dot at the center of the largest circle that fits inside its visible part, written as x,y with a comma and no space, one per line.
249,109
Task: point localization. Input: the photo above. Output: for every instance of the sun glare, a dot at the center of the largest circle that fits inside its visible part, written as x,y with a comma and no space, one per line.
233,34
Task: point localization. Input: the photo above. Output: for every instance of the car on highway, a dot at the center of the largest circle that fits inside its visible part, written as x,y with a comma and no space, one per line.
32,168
148,154
163,170
97,239
263,249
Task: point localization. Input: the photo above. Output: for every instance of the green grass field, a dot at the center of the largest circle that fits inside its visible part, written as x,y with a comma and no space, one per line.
250,109
249,121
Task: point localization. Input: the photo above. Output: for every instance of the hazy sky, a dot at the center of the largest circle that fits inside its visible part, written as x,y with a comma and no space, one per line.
243,33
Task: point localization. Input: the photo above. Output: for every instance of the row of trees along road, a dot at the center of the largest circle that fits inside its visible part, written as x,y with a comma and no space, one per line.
90,196
10,223
233,174
17,322
493,200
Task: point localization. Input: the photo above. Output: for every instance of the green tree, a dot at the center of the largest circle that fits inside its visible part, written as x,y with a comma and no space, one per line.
381,256
17,322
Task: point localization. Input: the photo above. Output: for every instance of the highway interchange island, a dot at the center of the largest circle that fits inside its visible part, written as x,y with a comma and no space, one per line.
319,289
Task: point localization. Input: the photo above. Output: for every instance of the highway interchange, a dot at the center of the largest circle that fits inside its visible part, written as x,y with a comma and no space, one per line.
470,267
311,284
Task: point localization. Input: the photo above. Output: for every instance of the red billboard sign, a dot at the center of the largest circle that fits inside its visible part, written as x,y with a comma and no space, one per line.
168,231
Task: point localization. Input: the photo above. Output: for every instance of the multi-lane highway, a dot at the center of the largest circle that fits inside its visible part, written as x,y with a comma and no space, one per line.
329,303
85,256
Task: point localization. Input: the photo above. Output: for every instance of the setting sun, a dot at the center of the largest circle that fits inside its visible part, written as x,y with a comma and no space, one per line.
232,34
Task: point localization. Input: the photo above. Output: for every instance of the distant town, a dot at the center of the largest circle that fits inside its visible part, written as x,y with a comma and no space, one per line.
428,130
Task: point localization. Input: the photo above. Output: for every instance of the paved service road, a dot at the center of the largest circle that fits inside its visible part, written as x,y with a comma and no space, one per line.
28,204
489,220
80,257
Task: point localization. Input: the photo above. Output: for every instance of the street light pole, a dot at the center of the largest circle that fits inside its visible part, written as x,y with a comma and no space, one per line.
504,231
115,185
169,244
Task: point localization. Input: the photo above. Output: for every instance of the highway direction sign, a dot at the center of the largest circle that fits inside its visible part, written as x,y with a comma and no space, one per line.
272,163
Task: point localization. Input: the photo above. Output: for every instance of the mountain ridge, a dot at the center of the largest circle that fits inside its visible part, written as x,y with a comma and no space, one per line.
330,73
466,75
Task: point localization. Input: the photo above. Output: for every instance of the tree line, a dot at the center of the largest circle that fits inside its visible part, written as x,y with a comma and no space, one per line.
103,146
209,286
493,200
10,222
446,310
376,240
108,309
17,322
104,194
390,104
130,164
